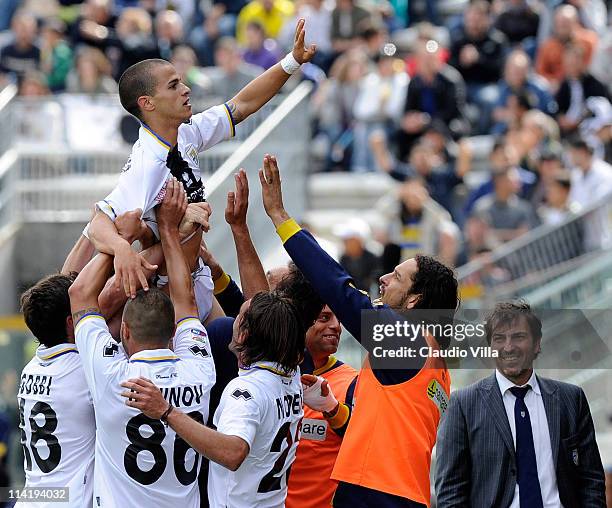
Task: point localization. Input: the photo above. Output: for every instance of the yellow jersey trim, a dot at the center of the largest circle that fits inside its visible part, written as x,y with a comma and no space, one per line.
59,353
340,418
159,139
231,121
287,229
331,361
88,316
185,319
221,283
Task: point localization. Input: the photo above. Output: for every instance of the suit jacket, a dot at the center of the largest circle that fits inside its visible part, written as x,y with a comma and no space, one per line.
475,458
591,87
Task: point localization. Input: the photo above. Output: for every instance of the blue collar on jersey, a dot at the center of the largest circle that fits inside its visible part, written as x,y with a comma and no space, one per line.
263,365
157,137
48,353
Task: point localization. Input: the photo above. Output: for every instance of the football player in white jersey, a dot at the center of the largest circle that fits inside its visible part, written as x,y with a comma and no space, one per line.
258,418
140,461
170,139
56,412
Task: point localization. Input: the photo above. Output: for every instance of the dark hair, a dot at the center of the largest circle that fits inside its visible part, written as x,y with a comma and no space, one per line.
274,332
303,295
563,178
507,313
577,143
150,317
436,283
45,307
136,81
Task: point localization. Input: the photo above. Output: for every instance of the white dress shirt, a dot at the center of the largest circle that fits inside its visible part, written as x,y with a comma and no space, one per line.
541,438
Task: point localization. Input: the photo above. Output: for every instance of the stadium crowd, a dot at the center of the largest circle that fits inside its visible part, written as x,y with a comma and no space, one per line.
393,95
492,121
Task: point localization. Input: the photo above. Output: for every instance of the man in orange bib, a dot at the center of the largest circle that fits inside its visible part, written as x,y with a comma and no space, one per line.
385,457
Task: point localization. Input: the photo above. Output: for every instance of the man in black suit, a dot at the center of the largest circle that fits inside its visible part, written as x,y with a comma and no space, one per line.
516,439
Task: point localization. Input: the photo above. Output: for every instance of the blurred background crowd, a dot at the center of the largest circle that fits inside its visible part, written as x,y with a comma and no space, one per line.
483,119
401,89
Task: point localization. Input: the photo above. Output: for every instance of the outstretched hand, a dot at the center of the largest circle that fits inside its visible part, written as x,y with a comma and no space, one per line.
238,201
300,52
271,192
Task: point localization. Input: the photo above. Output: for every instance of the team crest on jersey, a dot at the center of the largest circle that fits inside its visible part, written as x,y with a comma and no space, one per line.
437,394
128,164
241,394
111,348
196,349
192,153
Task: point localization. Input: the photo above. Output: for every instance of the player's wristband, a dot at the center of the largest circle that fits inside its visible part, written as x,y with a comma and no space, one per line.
290,64
164,417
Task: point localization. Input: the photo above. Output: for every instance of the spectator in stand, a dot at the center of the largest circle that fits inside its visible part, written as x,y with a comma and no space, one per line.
22,54
517,106
168,32
549,165
186,9
507,215
517,80
347,20
219,21
575,89
56,54
477,53
135,38
538,132
333,105
373,35
591,13
417,224
33,84
356,259
591,177
567,28
596,129
436,92
259,50
378,106
425,31
558,205
231,73
185,62
95,26
318,16
518,21
591,183
92,73
271,15
502,157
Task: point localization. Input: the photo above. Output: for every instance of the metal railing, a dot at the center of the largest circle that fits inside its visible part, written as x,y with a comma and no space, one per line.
286,134
53,182
7,130
539,256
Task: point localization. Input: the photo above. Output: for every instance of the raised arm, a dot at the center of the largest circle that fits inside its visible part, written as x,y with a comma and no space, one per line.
333,284
169,216
252,275
88,285
78,256
259,91
129,266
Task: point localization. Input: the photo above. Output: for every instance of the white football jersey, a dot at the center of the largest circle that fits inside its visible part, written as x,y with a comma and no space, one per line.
143,178
265,408
56,419
140,461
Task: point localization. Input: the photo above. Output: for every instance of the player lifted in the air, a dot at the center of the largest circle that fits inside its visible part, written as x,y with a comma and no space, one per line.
56,414
140,461
170,139
258,417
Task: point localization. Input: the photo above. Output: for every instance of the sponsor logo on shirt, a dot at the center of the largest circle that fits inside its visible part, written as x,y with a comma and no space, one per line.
313,429
437,394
